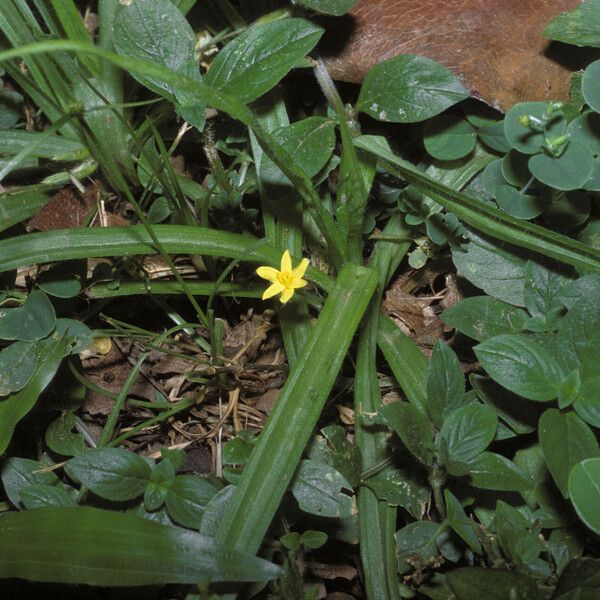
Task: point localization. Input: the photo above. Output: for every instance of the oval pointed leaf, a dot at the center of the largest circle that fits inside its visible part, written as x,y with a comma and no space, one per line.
111,473
257,59
521,365
408,89
105,548
584,490
565,440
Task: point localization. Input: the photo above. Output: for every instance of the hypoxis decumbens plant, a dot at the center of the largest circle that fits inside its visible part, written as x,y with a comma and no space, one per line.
434,488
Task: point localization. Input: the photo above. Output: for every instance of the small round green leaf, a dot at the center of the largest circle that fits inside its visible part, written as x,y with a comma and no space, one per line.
522,137
586,128
569,171
447,137
515,169
584,490
62,279
517,204
591,85
409,89
493,137
312,539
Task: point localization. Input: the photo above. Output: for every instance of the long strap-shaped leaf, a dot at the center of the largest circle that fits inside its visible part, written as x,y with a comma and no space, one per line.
485,218
108,548
67,244
288,429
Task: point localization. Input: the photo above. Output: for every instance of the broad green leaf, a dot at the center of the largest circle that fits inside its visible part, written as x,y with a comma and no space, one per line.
328,7
28,323
566,545
318,490
111,473
107,548
565,440
334,448
492,584
587,404
584,490
542,289
419,538
408,89
258,58
519,414
518,539
448,137
445,383
215,511
38,495
579,334
482,317
403,486
18,363
580,27
187,499
468,431
61,438
413,428
581,578
311,141
161,479
498,269
20,473
492,471
521,365
237,450
156,31
75,331
460,523
17,405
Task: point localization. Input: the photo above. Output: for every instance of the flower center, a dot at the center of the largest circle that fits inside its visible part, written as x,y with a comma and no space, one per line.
285,278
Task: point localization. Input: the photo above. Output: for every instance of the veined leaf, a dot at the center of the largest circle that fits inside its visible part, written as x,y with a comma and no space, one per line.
106,548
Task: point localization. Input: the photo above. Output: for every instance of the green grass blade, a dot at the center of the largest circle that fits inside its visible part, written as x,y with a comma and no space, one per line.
109,548
66,244
73,26
223,102
484,218
51,146
290,425
377,520
18,206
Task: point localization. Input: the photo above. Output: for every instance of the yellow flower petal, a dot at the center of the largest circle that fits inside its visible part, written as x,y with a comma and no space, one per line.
273,290
286,262
286,295
268,273
299,271
298,283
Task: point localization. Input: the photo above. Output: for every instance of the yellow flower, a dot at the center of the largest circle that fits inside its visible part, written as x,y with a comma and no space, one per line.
285,281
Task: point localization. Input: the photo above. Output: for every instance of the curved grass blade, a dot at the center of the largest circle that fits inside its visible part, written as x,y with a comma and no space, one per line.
67,244
108,548
223,102
484,218
290,425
